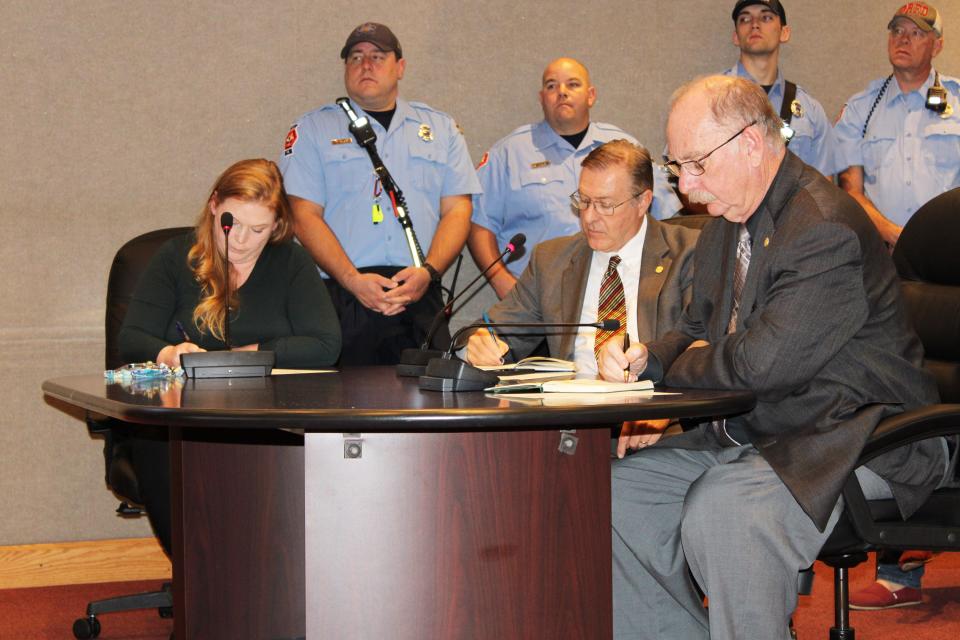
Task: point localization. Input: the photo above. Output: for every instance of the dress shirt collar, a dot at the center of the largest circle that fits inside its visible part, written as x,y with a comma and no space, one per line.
631,254
894,92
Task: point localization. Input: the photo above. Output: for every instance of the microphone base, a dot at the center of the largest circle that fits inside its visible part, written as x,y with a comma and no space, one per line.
413,362
228,364
456,375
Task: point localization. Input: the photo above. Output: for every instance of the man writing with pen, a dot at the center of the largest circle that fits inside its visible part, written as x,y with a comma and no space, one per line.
622,265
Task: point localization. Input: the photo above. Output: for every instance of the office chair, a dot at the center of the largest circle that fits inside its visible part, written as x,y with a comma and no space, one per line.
927,258
129,262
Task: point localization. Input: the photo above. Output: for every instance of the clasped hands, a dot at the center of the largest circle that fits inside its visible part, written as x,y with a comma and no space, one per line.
389,296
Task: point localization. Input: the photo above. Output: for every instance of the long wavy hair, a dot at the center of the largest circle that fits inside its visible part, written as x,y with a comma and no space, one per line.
257,181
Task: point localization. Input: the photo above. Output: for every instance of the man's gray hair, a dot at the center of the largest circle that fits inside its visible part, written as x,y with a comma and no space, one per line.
735,102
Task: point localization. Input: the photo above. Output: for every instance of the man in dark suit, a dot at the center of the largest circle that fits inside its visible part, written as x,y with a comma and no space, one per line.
794,298
564,281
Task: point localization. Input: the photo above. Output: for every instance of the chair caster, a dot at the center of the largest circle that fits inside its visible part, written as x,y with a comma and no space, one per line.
85,628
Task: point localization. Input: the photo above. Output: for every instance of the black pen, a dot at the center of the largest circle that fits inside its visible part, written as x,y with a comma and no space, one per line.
183,332
626,345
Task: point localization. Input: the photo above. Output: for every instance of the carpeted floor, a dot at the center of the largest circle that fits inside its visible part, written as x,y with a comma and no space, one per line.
48,614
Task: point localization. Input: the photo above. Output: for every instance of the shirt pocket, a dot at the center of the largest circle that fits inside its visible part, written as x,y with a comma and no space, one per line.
542,188
428,163
877,154
941,145
347,168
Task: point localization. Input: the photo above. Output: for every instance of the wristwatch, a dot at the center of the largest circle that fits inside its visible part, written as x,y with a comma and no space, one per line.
434,274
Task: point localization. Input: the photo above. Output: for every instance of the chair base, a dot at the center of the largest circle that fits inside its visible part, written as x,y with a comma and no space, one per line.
89,627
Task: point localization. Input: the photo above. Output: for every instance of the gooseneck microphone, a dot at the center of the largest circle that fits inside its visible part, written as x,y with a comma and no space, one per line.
226,223
452,374
366,137
413,362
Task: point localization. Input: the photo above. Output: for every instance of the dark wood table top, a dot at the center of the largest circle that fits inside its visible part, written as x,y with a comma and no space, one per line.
368,399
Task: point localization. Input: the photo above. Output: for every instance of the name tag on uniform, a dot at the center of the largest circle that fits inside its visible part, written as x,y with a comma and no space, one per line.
341,141
540,165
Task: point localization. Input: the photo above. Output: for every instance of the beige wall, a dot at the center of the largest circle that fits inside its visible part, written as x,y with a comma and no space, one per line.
117,115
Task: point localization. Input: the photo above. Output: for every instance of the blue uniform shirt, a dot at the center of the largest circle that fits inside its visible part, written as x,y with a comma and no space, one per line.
528,176
813,135
424,152
910,154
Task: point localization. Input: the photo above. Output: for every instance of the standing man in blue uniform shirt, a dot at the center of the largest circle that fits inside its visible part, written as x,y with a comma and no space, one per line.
759,28
528,176
898,142
346,221
899,145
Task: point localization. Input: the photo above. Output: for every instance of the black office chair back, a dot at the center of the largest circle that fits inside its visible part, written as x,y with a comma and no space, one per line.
927,257
128,265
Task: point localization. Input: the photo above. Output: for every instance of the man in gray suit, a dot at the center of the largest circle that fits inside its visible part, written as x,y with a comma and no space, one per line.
794,298
563,281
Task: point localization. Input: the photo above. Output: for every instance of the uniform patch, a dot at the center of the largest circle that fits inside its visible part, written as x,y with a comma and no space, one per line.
796,109
425,133
483,160
341,140
290,141
540,165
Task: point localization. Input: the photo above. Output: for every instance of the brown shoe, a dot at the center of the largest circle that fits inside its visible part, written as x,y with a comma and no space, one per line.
877,596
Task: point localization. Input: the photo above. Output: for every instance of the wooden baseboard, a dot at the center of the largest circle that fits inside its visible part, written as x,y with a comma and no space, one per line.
62,563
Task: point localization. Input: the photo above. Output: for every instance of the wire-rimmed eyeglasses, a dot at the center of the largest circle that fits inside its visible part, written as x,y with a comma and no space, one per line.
581,204
695,167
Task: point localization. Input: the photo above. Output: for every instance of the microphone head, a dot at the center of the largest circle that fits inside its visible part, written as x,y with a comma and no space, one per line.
342,101
516,242
226,221
610,324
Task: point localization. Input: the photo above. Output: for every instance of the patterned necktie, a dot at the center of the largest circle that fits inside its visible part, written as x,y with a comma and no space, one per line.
612,306
739,278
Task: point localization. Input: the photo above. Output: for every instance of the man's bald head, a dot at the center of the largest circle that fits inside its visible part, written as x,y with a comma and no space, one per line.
566,96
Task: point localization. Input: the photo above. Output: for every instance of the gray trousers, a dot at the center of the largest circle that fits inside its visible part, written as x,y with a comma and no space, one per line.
726,518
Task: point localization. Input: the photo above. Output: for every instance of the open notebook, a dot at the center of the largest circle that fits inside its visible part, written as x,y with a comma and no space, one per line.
571,386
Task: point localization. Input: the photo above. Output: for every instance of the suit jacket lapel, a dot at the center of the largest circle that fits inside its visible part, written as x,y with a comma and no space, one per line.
573,284
758,257
655,254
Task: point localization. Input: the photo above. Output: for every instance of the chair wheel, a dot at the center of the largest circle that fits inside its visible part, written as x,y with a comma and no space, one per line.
85,628
165,612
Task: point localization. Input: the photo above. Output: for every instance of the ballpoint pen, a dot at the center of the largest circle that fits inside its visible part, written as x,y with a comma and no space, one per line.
626,345
183,332
493,333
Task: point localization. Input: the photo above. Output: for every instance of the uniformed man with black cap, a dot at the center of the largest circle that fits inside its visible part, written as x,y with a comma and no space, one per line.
345,219
759,28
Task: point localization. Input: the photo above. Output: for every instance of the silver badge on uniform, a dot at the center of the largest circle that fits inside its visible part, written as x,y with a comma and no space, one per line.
947,111
425,133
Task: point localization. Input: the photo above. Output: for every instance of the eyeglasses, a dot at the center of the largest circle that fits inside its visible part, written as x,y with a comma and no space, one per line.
914,34
376,58
695,167
581,204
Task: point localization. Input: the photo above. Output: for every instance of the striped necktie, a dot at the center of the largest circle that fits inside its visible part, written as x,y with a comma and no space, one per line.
612,306
739,278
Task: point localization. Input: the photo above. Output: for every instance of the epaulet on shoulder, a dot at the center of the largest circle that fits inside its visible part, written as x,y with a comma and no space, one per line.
606,126
950,80
870,92
421,106
519,131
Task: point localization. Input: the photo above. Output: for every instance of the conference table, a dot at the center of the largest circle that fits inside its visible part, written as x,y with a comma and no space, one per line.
354,505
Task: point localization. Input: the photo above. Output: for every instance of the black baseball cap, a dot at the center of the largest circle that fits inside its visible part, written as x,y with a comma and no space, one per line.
374,33
773,5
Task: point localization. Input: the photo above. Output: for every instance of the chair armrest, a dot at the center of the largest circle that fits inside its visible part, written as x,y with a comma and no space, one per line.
911,426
